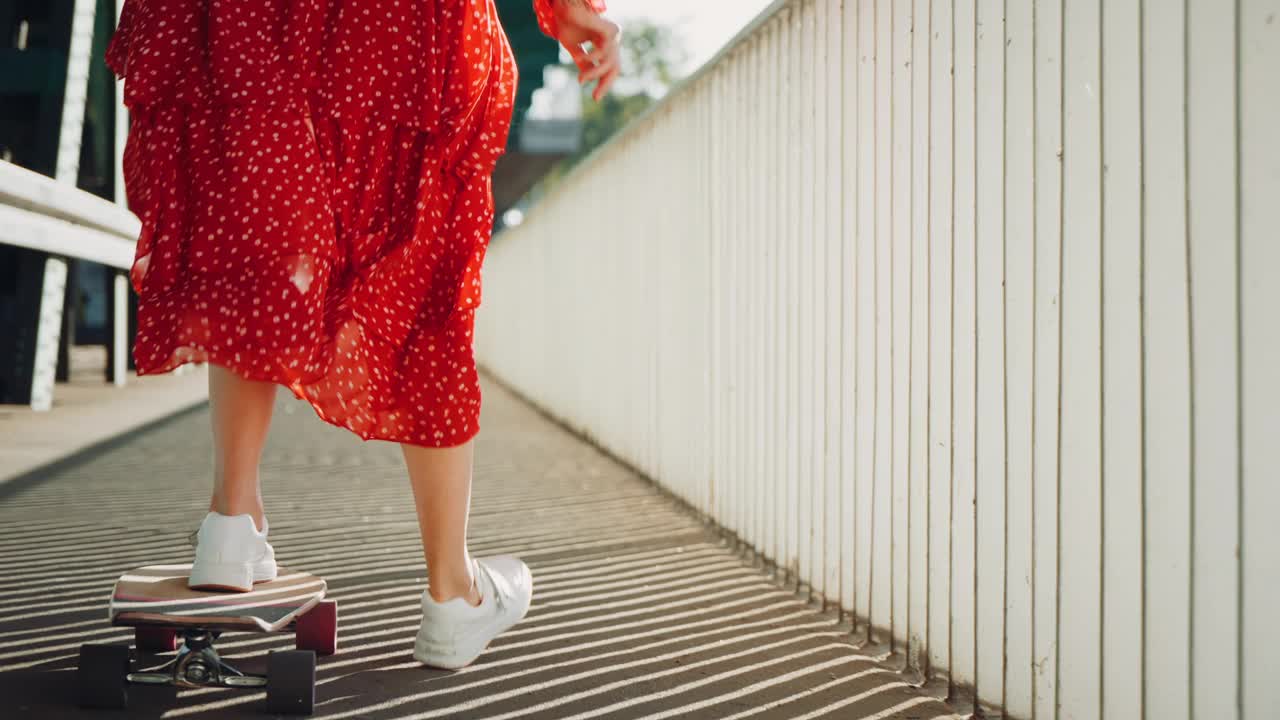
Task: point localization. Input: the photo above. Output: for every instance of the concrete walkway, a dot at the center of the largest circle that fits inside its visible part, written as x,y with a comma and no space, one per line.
89,413
640,611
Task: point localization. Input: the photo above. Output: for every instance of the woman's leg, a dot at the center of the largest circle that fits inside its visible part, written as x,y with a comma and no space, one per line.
441,479
241,414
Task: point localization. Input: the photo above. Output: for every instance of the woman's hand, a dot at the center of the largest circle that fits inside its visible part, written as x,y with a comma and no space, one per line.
577,25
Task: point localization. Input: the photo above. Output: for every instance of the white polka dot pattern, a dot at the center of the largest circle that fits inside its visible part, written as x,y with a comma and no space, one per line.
313,180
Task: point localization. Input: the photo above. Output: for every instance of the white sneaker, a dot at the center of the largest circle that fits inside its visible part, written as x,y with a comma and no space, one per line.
455,632
231,554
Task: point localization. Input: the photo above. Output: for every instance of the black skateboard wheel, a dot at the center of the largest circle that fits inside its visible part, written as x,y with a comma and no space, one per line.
155,639
291,682
102,676
317,628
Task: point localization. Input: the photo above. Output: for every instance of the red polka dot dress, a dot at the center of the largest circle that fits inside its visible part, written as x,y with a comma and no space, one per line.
313,181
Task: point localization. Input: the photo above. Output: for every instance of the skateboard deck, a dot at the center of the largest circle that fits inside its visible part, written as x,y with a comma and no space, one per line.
158,596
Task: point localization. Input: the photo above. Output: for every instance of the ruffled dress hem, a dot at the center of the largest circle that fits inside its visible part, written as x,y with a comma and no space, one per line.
198,356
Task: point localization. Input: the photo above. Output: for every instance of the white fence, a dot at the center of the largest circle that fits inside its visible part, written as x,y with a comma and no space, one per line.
969,314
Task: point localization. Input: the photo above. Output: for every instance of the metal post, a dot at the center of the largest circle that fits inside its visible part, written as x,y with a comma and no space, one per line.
68,168
122,131
119,329
46,360
120,345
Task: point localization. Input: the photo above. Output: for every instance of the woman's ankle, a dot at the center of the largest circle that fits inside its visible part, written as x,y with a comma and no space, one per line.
255,510
444,590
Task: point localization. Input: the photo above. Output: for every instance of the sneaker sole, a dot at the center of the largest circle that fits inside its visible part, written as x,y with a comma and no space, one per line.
457,659
238,577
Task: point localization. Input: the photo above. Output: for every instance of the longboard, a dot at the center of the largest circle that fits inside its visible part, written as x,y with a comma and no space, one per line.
168,615
158,596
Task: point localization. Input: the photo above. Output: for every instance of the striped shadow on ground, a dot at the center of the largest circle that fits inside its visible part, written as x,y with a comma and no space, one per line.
640,610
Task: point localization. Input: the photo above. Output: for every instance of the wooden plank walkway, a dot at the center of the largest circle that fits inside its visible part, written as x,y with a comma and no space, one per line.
639,611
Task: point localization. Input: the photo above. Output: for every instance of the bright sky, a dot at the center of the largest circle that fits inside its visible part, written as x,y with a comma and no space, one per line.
705,25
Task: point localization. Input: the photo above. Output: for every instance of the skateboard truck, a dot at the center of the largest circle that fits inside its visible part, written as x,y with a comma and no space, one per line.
104,674
197,665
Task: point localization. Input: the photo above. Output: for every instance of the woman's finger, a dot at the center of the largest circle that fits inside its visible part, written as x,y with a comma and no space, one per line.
598,53
579,57
598,70
600,60
592,72
603,74
602,87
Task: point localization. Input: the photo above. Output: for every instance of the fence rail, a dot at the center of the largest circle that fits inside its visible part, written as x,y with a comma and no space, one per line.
41,213
966,313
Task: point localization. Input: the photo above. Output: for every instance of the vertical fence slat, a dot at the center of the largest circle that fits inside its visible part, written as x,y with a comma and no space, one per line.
742,259
818,387
835,588
882,484
1080,588
759,278
773,420
963,500
866,308
990,375
790,260
761,204
850,136
899,220
777,348
1258,156
941,155
721,432
1047,358
1166,368
1122,386
1019,278
1213,235
918,521
805,282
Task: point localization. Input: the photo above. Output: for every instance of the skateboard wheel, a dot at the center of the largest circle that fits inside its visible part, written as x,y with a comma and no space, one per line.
317,628
102,676
155,639
291,682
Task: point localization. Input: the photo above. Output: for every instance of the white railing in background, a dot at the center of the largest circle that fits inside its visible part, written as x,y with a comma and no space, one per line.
965,312
55,217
